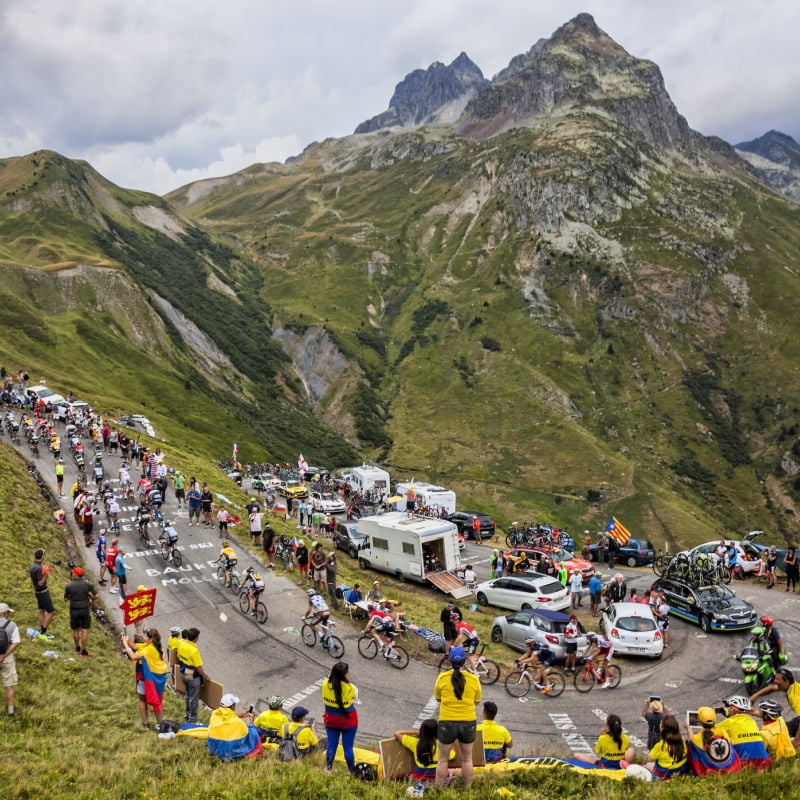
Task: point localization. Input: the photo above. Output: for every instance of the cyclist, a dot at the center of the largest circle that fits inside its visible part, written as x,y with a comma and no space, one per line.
170,535
469,639
144,486
112,513
254,583
379,624
539,656
601,656
317,611
774,640
155,498
229,560
143,519
125,479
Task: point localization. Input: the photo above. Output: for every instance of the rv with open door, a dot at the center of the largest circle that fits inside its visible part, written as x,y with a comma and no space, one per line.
413,548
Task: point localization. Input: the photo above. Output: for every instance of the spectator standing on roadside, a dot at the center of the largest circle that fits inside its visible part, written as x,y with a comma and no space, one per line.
79,593
8,666
330,577
255,518
451,614
602,541
476,529
411,501
301,556
617,590
60,476
576,588
654,712
193,498
341,717
121,569
318,559
180,489
222,521
595,589
101,553
662,615
192,671
111,565
206,503
268,538
39,572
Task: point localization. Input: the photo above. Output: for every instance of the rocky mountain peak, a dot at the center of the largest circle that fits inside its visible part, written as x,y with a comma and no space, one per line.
436,94
780,148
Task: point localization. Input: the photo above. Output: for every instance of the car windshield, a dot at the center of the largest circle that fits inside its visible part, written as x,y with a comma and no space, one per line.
635,624
714,593
560,554
551,587
327,496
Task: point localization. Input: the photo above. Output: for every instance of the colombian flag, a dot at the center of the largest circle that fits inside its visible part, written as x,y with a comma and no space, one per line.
718,756
154,674
617,530
229,737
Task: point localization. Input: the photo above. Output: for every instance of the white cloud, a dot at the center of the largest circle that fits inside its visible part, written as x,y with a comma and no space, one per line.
155,94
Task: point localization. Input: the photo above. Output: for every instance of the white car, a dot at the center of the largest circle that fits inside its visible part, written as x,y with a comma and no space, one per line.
748,555
632,629
518,592
327,503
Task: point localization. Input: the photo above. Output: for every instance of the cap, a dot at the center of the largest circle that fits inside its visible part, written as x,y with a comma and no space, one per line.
77,572
5,608
706,715
275,702
39,554
457,655
298,712
229,700
175,630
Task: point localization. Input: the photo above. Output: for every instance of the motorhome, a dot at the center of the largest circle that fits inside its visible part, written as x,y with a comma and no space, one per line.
412,548
428,495
371,479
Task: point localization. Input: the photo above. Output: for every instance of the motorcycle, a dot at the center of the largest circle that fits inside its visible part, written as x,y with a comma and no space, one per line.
756,663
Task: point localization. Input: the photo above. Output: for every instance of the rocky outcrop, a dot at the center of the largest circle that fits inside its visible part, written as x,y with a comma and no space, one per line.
436,94
776,159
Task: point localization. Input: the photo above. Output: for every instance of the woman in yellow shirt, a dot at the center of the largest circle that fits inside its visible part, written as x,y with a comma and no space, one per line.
612,747
670,756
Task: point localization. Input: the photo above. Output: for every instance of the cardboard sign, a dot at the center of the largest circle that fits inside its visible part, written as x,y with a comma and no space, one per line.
211,694
398,762
138,606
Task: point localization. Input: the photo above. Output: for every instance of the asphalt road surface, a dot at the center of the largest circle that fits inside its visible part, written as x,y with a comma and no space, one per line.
255,661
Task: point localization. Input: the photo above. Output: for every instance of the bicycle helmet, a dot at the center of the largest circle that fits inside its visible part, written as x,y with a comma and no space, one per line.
311,592
736,700
275,702
767,620
757,631
364,771
770,709
226,544
457,656
175,630
591,636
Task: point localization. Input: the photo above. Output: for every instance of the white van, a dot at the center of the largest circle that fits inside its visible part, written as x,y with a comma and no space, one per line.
370,479
428,495
45,393
404,546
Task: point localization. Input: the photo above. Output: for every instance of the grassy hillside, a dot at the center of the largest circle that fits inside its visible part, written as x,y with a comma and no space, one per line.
76,734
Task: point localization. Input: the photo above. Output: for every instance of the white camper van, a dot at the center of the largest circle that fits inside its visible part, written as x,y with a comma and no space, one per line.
370,479
405,546
428,495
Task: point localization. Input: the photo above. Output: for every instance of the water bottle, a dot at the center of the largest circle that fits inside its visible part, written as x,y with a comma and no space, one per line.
50,654
33,633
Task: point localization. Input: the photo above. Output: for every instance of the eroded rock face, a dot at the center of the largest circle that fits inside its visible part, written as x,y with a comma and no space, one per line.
775,157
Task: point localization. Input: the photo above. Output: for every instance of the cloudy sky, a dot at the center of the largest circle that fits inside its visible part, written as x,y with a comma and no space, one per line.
158,93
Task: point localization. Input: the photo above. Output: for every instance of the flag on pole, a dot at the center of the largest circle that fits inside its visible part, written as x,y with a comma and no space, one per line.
302,464
617,530
235,450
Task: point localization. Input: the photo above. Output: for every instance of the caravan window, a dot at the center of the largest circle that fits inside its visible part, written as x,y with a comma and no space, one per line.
408,549
380,544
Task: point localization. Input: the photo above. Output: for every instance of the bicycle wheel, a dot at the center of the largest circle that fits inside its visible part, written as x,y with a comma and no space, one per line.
262,615
334,646
584,680
234,582
164,552
658,566
488,672
244,601
399,657
221,575
557,681
367,647
177,558
518,684
724,574
308,635
511,540
445,664
613,675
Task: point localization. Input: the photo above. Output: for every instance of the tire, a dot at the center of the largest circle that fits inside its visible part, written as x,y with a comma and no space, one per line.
367,647
491,674
262,615
307,635
658,567
445,664
353,553
518,684
584,683
400,659
482,599
613,675
526,607
234,587
164,552
244,602
177,558
221,575
363,563
497,635
511,540
556,677
705,623
724,574
335,648
632,561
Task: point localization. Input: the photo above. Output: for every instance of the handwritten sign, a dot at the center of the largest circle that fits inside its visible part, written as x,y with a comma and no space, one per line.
138,606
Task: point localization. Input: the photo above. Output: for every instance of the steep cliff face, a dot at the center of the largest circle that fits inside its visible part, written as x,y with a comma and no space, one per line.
776,159
436,94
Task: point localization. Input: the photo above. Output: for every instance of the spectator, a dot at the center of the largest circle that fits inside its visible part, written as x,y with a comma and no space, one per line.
616,590
476,529
662,615
375,592
206,504
306,738
192,671
451,613
422,746
318,559
772,565
180,489
744,734
8,666
270,722
595,590
111,564
341,717
229,736
330,577
612,747
268,540
121,571
669,754
193,498
790,565
774,731
150,688
496,738
571,633
576,588
222,521
39,572
79,593
710,749
654,712
255,518
301,555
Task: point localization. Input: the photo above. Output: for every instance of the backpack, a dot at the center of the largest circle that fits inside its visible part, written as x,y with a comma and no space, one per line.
287,748
5,639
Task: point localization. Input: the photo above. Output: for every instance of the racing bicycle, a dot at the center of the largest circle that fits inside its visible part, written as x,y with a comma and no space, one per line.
518,684
486,670
245,605
167,540
332,644
235,582
586,678
396,655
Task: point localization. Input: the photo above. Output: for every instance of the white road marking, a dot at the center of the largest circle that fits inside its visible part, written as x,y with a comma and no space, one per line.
428,711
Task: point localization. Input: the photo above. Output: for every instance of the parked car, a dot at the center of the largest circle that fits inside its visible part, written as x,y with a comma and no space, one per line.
523,591
571,561
748,554
541,624
632,629
327,503
714,607
346,537
463,521
264,483
292,488
634,553
61,409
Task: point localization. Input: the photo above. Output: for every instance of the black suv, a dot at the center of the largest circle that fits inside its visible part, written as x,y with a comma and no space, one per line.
463,521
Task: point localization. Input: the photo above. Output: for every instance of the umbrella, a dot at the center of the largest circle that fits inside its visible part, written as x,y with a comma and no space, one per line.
395,499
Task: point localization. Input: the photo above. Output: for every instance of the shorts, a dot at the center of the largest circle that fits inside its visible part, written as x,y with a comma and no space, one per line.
80,620
8,672
319,575
302,567
180,494
449,732
410,505
223,526
194,513
471,645
595,598
45,602
317,618
571,647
